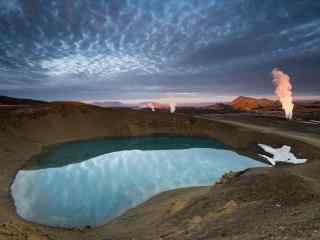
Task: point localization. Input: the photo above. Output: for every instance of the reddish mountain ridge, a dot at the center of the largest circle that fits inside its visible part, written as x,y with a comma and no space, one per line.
249,103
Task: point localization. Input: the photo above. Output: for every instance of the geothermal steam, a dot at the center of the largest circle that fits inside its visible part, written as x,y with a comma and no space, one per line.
283,91
151,106
172,107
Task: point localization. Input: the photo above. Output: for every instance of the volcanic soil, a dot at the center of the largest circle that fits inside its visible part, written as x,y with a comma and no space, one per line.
262,203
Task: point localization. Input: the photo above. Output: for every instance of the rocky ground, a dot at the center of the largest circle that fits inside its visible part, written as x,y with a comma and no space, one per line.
255,204
263,203
304,110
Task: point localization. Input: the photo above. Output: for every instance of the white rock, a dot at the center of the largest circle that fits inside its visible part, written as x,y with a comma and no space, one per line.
282,154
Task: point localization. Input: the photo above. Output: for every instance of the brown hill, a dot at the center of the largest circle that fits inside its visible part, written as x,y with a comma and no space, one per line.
4,100
250,204
249,103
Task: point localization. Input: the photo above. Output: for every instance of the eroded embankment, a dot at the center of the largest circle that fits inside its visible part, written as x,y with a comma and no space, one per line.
25,132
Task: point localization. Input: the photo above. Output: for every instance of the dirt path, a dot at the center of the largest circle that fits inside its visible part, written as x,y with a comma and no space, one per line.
312,139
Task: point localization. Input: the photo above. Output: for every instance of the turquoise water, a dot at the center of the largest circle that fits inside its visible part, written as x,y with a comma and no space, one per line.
74,152
89,183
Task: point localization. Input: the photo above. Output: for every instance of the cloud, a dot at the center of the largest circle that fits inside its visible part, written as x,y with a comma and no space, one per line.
158,46
10,7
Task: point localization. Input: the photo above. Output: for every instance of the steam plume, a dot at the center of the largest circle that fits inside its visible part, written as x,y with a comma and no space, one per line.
283,91
151,106
172,107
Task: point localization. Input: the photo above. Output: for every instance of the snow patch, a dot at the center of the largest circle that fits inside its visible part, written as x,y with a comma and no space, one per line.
282,154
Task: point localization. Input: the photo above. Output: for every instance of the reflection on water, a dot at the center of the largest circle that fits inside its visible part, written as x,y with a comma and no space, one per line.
73,152
94,191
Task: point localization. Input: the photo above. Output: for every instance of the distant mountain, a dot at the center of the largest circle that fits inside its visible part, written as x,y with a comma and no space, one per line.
110,104
248,103
4,100
220,107
156,105
197,104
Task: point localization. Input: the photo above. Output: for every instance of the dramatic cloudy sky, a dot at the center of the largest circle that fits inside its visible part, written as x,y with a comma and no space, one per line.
144,49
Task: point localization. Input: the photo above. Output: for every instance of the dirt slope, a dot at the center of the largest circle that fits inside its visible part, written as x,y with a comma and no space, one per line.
267,203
